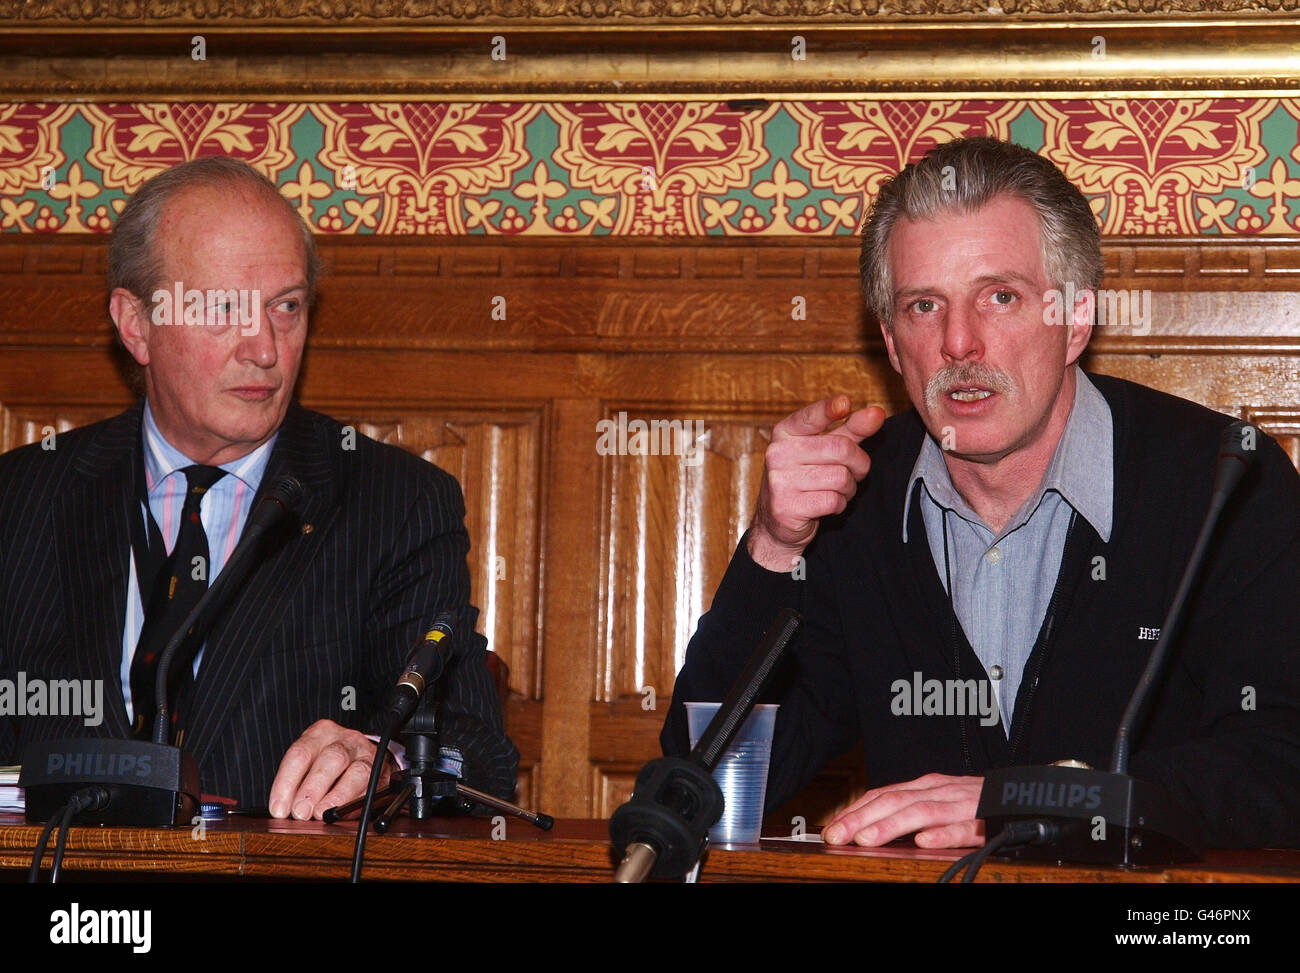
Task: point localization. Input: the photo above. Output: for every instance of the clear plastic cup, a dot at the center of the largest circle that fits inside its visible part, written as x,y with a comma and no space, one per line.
742,771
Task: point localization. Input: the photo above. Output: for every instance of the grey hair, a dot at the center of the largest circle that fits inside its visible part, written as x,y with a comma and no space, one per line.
134,262
965,175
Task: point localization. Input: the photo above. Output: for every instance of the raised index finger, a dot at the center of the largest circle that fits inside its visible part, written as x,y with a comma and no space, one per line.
813,419
862,424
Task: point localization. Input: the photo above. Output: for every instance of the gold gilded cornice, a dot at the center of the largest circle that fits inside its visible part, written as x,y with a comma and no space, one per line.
607,12
299,50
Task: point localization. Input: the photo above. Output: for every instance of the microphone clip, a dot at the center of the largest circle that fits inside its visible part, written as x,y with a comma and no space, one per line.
675,802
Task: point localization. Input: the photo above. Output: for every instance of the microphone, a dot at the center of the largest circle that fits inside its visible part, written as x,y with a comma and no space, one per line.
1236,454
1111,818
1237,443
426,664
422,670
662,829
148,783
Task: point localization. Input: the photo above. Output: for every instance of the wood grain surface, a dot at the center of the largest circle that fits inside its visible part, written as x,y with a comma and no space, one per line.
575,851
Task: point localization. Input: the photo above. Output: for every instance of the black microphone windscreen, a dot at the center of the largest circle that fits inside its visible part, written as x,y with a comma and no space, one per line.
288,491
1238,447
1240,441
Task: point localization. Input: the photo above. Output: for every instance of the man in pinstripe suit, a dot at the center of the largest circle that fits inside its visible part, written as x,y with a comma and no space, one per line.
291,676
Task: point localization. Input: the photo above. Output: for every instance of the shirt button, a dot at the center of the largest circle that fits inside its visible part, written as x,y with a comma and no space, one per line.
994,555
996,672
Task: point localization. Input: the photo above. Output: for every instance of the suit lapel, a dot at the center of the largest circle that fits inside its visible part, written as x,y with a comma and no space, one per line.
92,537
240,635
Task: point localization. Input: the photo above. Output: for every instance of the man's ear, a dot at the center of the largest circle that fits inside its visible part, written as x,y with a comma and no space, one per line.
1081,318
888,334
131,322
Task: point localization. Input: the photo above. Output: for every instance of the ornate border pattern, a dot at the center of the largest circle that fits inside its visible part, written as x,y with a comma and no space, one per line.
1151,167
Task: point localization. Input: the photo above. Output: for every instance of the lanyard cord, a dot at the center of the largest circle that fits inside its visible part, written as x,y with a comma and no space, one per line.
1040,648
1045,633
956,645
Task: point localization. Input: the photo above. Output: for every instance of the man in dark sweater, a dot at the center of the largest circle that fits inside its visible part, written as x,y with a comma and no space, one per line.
991,592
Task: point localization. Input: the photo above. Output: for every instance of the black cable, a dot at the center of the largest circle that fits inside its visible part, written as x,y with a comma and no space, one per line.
980,857
34,873
95,797
68,812
1032,831
957,866
381,754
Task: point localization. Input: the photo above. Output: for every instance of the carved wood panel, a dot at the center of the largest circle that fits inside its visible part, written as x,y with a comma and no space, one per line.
20,425
497,460
1283,424
673,515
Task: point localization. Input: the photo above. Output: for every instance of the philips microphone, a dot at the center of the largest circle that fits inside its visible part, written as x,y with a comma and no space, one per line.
1111,818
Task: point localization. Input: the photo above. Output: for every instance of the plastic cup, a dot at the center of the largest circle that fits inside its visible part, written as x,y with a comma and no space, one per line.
742,771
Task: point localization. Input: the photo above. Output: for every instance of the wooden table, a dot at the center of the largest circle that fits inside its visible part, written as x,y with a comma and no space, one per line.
575,851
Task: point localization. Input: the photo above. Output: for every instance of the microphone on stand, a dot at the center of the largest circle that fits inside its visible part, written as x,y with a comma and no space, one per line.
662,829
422,669
426,664
1109,817
148,783
421,787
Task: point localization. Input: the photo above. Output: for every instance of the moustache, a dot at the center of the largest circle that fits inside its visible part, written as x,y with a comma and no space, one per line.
965,375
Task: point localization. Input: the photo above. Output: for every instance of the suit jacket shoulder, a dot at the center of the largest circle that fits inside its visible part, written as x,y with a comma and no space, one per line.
33,473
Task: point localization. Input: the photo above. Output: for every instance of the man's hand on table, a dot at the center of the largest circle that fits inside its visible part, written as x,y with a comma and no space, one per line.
327,766
939,808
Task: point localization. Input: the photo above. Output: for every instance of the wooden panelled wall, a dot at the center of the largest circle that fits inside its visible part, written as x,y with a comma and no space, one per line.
592,569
